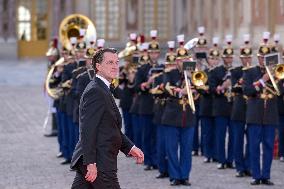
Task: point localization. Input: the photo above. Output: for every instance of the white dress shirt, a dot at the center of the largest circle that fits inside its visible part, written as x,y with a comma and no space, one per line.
104,80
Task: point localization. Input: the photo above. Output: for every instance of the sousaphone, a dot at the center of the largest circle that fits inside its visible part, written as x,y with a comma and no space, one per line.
69,27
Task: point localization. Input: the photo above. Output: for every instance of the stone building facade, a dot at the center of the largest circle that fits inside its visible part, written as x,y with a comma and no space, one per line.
26,26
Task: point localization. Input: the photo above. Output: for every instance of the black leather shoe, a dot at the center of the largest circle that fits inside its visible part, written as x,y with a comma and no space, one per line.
59,155
65,162
148,168
194,153
185,182
247,173
162,175
53,134
221,166
154,167
267,182
175,182
214,160
240,174
230,165
255,182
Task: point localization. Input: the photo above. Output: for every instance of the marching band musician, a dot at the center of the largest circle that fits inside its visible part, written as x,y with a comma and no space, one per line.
126,84
261,116
142,83
221,98
238,117
159,106
134,109
179,121
205,109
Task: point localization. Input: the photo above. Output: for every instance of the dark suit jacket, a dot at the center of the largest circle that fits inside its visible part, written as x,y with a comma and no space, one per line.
100,129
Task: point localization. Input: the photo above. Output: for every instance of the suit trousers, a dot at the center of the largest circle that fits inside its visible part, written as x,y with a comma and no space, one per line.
103,181
241,158
261,134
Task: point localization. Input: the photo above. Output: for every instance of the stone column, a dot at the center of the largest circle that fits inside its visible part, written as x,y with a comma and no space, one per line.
12,37
55,17
69,8
1,22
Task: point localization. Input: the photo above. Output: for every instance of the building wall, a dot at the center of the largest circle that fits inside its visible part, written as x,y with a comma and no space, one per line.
115,19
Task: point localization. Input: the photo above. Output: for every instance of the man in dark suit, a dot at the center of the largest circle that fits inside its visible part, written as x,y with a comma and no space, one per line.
95,155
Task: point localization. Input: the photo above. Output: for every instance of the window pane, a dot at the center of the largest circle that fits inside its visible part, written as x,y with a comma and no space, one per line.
24,13
24,31
42,19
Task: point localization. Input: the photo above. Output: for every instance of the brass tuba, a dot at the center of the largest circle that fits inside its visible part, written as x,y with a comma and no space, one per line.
70,27
55,92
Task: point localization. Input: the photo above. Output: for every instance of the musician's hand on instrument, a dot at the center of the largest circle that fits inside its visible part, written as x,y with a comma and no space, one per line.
265,77
91,172
219,89
144,86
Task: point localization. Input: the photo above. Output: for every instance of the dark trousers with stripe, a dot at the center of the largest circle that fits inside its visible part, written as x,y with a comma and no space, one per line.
149,136
137,130
161,149
241,159
197,140
127,124
179,165
65,136
59,130
222,123
71,135
281,136
208,130
261,134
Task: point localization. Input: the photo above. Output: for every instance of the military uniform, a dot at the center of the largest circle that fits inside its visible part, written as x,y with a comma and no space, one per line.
146,107
277,48
261,117
220,74
179,121
238,117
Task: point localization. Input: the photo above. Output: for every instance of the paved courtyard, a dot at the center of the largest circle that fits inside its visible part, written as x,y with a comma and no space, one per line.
27,158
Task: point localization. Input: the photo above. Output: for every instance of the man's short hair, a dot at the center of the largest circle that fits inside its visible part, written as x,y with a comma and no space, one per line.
99,56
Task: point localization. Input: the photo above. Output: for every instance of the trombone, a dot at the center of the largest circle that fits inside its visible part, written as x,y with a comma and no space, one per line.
275,72
190,46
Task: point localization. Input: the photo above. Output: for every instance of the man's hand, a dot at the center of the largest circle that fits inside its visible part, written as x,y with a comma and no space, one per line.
91,172
137,154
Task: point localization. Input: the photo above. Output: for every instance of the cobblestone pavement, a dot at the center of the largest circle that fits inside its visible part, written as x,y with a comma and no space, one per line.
27,159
